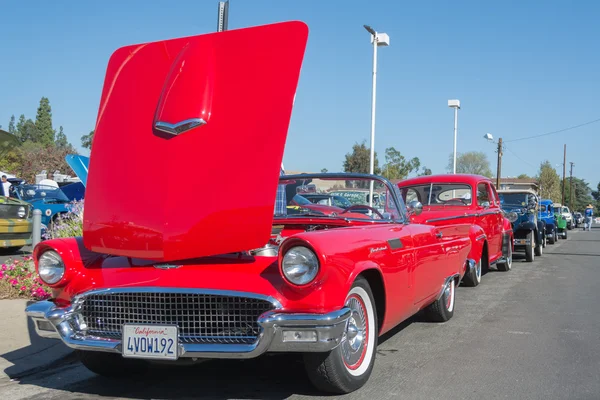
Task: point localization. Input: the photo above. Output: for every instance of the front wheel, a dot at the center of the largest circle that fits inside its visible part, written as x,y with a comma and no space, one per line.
539,249
552,239
349,366
474,277
529,253
111,365
506,265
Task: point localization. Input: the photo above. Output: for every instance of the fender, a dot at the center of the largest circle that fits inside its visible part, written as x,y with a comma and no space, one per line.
478,239
530,226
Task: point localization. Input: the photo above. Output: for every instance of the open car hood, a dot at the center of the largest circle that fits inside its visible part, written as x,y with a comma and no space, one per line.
79,165
189,142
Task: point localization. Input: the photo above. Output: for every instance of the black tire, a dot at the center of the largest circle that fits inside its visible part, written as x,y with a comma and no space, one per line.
506,265
544,240
442,309
474,278
331,372
569,226
529,253
539,249
552,240
555,236
111,365
566,234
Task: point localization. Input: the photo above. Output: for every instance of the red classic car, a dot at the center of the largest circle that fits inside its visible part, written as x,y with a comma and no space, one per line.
465,198
233,276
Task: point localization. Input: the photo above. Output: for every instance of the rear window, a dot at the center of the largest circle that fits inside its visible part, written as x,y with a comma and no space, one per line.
543,208
438,194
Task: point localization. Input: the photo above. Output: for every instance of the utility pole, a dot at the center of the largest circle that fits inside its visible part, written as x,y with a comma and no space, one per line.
223,16
499,169
571,187
564,176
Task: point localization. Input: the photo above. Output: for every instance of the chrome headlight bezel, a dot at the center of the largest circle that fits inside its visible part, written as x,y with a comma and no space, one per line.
300,265
51,267
512,216
22,212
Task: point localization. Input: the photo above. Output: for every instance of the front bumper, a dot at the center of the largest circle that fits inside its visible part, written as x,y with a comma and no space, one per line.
325,333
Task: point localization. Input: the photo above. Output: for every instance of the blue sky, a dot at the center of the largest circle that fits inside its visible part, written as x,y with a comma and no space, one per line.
519,69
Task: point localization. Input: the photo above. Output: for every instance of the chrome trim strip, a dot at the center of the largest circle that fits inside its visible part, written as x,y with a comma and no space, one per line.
481,237
449,279
179,127
449,218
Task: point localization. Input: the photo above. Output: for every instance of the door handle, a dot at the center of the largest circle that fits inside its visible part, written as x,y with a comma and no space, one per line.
438,235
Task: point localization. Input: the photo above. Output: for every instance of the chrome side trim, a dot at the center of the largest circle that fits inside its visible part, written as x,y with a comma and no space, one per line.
179,127
449,218
481,237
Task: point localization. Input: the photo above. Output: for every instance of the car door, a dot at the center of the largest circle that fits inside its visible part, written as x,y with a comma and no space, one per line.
495,243
429,262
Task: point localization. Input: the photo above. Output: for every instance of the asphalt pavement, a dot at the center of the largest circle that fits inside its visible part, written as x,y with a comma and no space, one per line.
531,333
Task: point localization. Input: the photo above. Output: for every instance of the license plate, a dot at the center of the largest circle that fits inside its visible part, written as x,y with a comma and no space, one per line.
521,241
150,341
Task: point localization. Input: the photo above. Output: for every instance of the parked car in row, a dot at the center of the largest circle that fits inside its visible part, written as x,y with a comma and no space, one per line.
16,224
564,210
521,207
463,198
546,214
239,276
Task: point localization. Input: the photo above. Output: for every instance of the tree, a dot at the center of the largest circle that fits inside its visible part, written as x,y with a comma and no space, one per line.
31,158
29,132
11,125
549,182
523,176
359,160
472,162
324,170
61,139
426,171
582,194
20,128
43,123
396,166
86,140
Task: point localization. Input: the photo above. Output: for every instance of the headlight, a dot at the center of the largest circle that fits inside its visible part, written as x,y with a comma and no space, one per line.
51,267
512,216
300,265
22,212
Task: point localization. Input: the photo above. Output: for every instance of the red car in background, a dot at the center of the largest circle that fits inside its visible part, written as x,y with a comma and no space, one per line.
464,198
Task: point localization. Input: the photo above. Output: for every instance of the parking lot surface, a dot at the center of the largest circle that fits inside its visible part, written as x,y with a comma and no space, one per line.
531,333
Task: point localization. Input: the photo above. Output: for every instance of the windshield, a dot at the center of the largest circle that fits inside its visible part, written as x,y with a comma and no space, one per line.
438,194
513,199
543,208
39,192
335,198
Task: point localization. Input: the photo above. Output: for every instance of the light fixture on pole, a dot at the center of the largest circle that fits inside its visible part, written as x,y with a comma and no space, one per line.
378,39
489,137
456,105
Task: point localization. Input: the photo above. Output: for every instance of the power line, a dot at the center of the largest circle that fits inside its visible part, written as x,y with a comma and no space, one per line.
552,133
515,154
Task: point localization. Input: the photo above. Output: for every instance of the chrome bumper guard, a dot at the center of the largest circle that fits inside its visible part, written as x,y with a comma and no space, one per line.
281,332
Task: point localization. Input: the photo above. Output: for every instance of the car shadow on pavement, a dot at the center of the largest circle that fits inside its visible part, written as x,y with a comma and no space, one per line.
38,355
267,377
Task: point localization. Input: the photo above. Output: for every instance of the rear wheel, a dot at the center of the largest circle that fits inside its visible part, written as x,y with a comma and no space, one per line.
111,365
348,367
529,253
552,239
443,308
539,249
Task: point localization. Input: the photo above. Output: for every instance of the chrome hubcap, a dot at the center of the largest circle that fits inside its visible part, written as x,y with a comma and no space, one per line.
355,339
478,270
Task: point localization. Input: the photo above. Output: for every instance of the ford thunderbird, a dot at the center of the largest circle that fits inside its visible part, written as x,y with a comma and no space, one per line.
233,276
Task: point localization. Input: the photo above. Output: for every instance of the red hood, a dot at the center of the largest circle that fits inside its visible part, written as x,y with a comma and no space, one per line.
196,127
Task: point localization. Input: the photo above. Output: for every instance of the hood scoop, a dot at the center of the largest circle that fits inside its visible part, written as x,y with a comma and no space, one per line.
189,142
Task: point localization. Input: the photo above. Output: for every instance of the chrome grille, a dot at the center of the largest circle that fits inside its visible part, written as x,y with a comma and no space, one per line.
201,318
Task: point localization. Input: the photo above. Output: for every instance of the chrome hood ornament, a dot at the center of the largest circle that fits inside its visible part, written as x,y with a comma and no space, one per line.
179,127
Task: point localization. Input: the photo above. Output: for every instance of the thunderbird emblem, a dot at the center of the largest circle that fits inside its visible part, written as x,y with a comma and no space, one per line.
166,266
179,127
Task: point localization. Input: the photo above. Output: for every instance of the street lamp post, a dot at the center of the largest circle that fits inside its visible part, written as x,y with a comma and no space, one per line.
378,39
456,105
488,136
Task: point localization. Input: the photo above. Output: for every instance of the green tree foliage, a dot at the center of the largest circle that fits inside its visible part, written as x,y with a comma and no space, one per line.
472,162
426,171
86,140
397,166
43,123
523,176
324,170
61,139
20,128
582,194
549,182
12,129
359,160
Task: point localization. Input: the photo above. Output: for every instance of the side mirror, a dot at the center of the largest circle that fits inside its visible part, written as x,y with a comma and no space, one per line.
414,207
485,204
